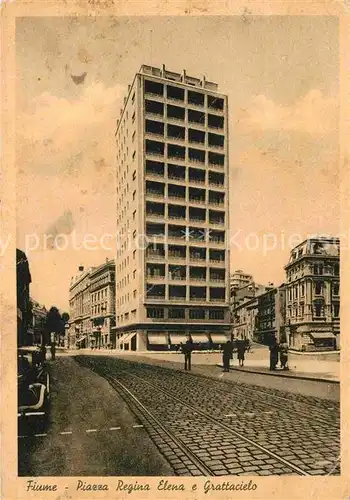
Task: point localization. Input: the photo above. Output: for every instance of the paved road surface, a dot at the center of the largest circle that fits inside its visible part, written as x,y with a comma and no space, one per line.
81,402
178,423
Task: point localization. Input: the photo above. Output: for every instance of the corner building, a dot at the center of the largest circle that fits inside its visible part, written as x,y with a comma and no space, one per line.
172,259
313,295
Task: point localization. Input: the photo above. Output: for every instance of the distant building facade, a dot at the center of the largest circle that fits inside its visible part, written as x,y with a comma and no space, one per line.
24,313
39,313
92,307
244,319
80,332
102,298
270,318
312,295
240,279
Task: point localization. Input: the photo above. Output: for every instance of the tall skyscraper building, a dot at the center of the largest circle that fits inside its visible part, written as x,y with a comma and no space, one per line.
172,257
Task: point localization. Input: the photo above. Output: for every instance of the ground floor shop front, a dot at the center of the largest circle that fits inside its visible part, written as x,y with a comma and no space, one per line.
170,339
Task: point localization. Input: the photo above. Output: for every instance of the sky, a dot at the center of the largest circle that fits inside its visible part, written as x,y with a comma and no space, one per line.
281,78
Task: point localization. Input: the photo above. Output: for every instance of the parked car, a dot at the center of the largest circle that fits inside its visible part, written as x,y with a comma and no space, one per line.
33,388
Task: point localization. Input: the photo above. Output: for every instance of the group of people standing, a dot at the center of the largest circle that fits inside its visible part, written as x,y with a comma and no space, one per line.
278,352
240,345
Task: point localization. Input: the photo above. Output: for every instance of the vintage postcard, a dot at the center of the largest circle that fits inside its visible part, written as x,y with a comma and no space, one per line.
174,250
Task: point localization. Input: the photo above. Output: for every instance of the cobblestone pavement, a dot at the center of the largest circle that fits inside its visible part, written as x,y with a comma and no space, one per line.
234,429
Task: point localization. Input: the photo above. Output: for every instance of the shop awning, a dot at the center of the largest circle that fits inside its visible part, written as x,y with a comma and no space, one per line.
177,338
200,338
158,339
81,339
126,338
322,335
219,338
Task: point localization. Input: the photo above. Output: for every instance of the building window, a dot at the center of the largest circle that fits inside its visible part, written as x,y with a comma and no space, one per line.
133,117
134,215
318,310
215,102
134,195
134,274
134,255
134,234
336,309
336,269
134,175
335,288
216,314
302,290
318,269
155,312
134,293
197,313
133,98
318,287
176,313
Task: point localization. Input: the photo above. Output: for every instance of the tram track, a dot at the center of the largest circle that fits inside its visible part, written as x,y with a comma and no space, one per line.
190,429
320,414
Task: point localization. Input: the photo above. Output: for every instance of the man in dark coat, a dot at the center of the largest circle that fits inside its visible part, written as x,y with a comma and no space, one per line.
273,354
187,349
227,353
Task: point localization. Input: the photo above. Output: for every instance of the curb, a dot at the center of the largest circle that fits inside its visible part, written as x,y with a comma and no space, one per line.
301,377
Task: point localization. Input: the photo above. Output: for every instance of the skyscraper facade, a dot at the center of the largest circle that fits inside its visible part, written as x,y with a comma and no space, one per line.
172,257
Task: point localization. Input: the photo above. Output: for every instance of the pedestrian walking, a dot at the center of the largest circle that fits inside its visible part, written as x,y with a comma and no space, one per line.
241,348
248,345
274,348
227,354
187,349
53,351
283,350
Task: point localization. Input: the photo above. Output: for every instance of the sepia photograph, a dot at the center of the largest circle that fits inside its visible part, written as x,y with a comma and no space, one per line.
178,249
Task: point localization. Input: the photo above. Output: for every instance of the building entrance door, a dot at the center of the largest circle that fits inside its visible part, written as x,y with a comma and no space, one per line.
133,343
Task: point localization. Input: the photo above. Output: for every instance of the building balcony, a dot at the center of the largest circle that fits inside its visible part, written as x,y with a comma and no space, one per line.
217,223
177,299
217,263
178,259
198,299
198,260
154,215
155,297
153,278
177,178
154,194
154,256
197,279
196,201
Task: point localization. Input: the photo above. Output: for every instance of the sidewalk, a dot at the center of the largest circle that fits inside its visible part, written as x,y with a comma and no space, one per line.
256,361
328,371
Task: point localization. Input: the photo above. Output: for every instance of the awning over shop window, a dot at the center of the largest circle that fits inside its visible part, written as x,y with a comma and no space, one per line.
177,338
219,338
126,338
322,335
200,338
157,338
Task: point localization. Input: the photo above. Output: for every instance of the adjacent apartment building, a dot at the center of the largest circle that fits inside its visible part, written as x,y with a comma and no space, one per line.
92,307
102,298
312,295
172,262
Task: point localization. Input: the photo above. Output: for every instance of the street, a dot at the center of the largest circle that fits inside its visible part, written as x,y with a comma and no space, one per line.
115,416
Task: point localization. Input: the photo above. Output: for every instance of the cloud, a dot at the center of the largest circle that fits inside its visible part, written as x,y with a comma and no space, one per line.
66,158
312,114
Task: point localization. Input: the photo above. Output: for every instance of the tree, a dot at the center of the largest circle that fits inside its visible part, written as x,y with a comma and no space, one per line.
53,324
